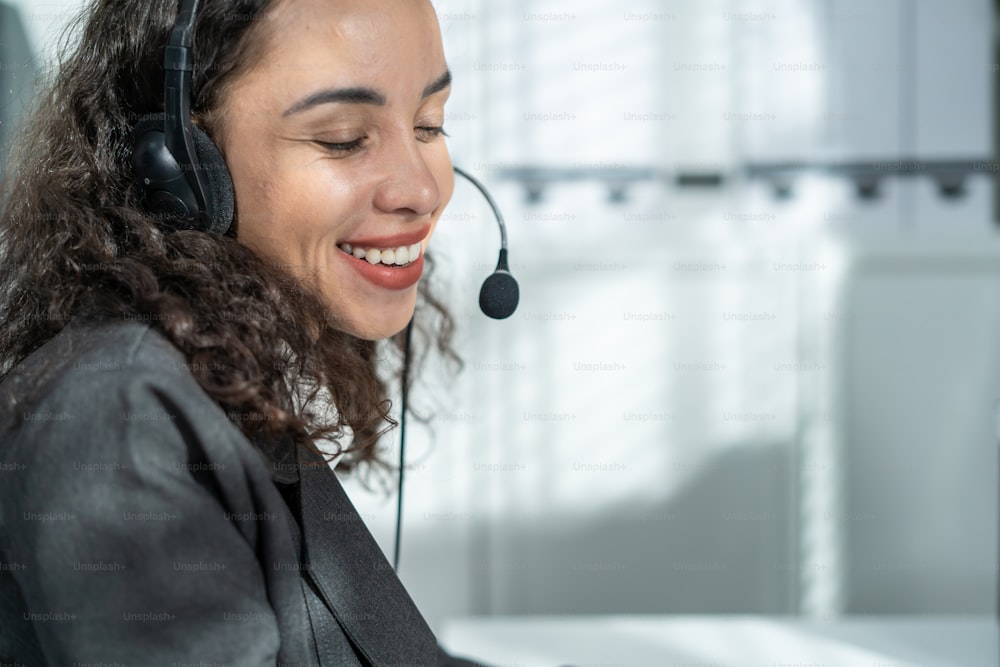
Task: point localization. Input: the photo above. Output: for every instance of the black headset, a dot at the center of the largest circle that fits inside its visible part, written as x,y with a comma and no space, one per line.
186,184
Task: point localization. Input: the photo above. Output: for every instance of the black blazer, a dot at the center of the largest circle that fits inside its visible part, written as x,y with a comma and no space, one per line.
139,526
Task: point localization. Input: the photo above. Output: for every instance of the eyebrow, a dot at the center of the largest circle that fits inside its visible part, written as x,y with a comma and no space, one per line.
359,95
439,84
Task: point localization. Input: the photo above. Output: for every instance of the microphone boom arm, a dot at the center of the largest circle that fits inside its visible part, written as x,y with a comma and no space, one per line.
493,205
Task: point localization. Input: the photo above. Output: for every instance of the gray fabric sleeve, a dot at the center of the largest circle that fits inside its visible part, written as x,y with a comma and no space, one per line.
135,554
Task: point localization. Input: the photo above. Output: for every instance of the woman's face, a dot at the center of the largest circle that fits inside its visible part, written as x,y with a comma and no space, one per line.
334,143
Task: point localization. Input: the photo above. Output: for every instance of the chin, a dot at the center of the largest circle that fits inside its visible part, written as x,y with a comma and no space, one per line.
380,325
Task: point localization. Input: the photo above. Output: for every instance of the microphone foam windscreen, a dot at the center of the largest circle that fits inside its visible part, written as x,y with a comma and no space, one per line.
499,295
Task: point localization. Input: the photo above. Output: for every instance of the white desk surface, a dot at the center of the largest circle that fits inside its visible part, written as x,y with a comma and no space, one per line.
726,641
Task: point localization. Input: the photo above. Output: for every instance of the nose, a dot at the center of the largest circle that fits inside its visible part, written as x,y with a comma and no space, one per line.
408,185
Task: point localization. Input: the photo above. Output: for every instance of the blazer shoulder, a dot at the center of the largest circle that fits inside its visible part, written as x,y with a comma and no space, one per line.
90,349
99,388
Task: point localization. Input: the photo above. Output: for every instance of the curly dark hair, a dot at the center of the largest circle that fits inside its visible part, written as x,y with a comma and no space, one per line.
75,240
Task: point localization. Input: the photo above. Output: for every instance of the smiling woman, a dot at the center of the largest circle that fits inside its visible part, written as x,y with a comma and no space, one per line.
165,389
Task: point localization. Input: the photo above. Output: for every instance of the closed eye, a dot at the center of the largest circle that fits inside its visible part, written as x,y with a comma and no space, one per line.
429,133
343,148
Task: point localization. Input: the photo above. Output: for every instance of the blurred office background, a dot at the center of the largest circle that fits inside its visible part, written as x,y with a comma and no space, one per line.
755,366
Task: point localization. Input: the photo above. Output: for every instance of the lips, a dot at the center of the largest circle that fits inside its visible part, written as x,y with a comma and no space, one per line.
395,250
391,241
392,262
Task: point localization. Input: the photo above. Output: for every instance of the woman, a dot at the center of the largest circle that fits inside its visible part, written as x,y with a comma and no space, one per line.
164,500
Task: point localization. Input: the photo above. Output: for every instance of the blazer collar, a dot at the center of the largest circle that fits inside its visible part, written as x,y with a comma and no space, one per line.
353,576
280,456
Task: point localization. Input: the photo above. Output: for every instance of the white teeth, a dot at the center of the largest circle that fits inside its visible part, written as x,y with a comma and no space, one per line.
400,256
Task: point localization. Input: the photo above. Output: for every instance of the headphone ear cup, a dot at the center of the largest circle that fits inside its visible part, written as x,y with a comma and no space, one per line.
166,192
217,182
164,183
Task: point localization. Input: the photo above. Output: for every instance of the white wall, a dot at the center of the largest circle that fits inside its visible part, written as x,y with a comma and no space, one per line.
921,382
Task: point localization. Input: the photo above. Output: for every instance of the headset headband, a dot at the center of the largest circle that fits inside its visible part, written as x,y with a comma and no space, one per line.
178,66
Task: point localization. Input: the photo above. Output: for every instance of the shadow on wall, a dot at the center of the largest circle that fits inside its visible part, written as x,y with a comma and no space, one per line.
723,544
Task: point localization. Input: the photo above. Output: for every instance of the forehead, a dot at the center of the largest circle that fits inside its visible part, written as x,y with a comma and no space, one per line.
361,35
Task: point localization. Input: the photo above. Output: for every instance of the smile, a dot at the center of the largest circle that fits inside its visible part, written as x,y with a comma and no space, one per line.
399,256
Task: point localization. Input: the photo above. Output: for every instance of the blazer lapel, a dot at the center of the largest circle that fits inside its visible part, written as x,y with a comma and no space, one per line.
352,574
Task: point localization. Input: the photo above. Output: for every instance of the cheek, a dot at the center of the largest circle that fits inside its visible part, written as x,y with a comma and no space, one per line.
269,218
255,203
284,210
